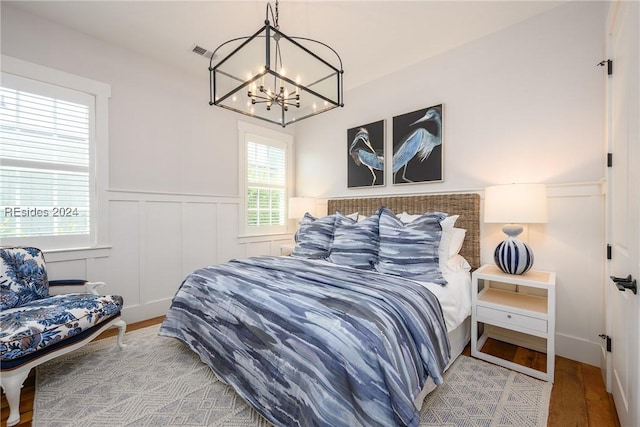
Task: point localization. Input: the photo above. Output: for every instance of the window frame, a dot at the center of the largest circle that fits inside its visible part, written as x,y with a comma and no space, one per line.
246,131
98,153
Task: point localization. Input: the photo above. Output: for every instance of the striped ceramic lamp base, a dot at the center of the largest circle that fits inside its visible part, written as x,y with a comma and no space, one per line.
513,256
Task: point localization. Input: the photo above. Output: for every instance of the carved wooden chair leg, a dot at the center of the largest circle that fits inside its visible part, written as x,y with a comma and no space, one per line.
12,385
122,328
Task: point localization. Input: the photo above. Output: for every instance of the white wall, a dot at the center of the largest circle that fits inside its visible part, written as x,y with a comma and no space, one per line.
525,104
172,191
522,105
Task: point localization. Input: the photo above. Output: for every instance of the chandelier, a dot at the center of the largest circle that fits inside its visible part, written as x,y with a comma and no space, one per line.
275,77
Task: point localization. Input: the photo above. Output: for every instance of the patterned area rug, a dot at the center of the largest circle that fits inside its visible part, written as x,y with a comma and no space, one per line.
158,381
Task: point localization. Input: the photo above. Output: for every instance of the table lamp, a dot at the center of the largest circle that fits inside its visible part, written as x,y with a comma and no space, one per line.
298,206
512,205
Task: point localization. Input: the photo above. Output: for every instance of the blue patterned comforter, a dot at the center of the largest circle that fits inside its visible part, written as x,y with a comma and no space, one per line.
313,344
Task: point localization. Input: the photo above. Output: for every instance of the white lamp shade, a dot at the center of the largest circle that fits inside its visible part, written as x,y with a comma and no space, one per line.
298,206
515,204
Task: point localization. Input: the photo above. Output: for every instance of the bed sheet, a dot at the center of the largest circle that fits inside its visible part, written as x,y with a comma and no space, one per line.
454,297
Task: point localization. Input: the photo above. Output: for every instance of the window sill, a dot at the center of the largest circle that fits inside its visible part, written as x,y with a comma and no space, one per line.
265,237
56,255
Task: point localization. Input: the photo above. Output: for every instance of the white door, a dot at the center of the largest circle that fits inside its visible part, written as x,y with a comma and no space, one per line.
623,194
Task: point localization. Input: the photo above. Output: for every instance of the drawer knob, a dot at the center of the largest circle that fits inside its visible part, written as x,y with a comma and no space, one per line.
508,316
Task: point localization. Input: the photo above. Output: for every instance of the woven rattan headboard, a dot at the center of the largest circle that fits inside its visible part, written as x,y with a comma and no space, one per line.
465,205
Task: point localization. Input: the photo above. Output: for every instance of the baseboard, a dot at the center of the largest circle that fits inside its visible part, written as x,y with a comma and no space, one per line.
141,312
578,349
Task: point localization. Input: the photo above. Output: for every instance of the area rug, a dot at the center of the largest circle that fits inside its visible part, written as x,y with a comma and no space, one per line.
158,381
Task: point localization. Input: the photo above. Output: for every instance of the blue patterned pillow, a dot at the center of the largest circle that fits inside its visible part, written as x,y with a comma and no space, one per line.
314,236
410,250
23,277
355,244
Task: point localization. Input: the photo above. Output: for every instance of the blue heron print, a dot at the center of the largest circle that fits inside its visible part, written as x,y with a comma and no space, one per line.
421,137
366,167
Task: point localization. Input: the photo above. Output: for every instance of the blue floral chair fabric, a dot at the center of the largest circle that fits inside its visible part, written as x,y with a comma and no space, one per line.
24,277
36,327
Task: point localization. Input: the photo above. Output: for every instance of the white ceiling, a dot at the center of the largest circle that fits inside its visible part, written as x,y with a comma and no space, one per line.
374,38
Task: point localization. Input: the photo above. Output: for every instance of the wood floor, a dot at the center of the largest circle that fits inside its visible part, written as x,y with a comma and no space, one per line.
578,397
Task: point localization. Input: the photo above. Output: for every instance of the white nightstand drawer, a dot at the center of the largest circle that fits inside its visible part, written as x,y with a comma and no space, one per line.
505,318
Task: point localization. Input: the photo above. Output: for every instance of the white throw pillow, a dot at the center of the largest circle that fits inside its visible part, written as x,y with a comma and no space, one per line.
445,240
458,263
456,241
406,218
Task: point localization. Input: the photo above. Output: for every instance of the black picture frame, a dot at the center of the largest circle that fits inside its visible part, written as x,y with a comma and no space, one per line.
365,155
417,146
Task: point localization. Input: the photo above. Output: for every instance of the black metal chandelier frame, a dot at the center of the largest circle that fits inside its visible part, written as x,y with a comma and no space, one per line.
279,97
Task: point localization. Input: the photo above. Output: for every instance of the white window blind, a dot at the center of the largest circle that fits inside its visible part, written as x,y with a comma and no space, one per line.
266,183
264,176
45,160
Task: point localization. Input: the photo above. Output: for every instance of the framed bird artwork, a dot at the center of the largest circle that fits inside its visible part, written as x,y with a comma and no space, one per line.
365,155
417,146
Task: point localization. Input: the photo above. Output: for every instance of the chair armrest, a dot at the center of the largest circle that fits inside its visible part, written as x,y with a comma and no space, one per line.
67,282
92,287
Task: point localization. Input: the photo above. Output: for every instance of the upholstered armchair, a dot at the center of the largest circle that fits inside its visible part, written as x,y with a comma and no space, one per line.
36,327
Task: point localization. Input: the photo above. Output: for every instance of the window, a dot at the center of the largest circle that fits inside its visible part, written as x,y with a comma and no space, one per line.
264,172
47,158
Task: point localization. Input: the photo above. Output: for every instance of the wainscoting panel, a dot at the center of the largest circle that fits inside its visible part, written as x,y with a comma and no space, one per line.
72,269
259,248
199,236
161,249
157,239
121,269
228,246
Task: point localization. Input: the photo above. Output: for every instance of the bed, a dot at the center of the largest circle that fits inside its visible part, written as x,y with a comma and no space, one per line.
316,340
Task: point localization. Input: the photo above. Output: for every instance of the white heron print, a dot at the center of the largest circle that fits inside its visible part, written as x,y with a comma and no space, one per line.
417,146
366,152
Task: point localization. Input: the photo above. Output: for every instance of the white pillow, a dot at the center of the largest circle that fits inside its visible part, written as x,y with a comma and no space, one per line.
448,223
406,218
458,263
445,239
357,217
456,241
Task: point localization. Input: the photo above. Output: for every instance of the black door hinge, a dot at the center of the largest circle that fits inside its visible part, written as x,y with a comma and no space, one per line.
608,251
608,338
609,65
609,159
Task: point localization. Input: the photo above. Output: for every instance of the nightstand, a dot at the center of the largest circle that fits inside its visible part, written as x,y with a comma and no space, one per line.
286,250
524,303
